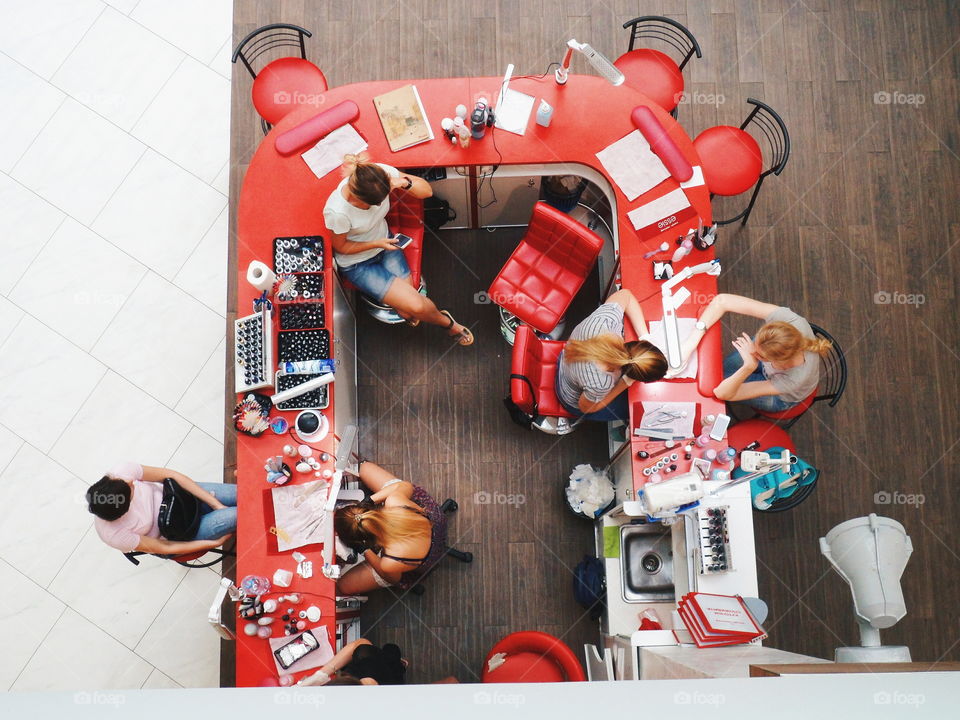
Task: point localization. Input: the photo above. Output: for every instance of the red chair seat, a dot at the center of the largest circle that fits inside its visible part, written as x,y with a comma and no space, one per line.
763,431
285,84
654,74
533,657
536,360
796,411
548,268
731,159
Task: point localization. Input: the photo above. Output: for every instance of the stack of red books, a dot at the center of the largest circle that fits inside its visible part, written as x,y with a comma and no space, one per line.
716,620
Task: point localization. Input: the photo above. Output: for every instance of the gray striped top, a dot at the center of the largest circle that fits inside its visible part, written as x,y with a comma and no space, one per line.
574,379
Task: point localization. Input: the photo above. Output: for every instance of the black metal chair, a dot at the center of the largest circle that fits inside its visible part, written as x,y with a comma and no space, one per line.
449,506
833,381
733,160
278,81
189,560
654,73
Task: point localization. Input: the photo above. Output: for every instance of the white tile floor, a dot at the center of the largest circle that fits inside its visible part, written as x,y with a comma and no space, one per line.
114,159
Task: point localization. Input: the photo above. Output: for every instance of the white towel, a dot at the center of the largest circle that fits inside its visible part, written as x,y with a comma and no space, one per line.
327,155
632,165
664,206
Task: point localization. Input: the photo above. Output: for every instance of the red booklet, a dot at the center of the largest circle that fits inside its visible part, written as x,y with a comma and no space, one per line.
717,620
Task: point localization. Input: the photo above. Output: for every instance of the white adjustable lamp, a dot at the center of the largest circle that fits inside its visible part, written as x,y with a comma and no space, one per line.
671,302
870,553
600,63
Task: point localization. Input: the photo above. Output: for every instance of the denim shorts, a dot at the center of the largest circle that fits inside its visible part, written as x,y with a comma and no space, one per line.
374,276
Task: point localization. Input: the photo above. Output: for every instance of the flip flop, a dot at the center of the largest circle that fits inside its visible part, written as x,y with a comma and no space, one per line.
465,336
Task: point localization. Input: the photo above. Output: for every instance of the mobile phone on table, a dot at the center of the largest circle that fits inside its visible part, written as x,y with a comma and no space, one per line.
401,240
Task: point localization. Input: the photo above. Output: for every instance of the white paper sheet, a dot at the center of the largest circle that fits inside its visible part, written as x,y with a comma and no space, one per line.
632,165
513,111
669,204
327,155
303,523
695,179
658,337
656,416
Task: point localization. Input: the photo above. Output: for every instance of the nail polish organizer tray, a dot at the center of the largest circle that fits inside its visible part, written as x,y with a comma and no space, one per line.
314,400
296,287
713,552
297,345
253,352
301,315
298,254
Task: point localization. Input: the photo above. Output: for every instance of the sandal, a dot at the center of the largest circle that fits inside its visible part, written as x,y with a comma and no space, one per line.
465,337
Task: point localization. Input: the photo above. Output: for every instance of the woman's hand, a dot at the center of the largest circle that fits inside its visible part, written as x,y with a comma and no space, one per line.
744,345
386,244
399,182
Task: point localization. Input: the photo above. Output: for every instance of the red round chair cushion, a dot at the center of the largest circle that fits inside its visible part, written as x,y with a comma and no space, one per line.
731,159
286,84
767,433
799,409
526,667
654,74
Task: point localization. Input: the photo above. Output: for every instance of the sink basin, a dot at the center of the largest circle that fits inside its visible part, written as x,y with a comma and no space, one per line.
646,563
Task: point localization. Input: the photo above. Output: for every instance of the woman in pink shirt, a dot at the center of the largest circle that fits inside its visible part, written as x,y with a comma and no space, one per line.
126,503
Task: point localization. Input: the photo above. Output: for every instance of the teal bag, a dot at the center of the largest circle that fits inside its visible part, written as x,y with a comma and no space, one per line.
781,489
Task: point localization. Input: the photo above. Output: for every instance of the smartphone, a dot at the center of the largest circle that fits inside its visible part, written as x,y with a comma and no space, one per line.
401,240
288,654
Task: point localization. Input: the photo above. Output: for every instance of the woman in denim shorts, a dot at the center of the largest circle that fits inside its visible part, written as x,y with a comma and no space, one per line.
365,252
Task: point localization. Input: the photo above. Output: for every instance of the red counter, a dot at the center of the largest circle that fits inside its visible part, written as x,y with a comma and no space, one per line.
281,197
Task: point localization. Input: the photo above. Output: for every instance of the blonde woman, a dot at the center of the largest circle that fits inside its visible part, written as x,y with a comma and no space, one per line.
596,365
366,253
772,371
400,530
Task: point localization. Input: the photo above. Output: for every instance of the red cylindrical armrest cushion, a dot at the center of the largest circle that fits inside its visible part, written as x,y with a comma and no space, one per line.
309,131
661,143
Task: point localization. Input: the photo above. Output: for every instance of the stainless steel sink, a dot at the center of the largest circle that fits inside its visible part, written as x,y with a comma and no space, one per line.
646,563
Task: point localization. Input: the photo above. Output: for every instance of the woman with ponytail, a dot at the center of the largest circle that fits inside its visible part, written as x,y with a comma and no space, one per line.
597,364
366,253
772,371
400,532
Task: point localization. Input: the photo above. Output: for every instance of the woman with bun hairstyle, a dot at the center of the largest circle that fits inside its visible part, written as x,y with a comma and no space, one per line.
597,364
772,371
365,251
400,532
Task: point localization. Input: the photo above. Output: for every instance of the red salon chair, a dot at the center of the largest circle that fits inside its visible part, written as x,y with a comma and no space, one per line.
188,560
652,72
732,160
833,381
285,83
533,370
405,216
548,268
533,657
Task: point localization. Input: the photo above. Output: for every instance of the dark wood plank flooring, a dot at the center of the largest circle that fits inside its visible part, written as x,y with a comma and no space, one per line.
867,204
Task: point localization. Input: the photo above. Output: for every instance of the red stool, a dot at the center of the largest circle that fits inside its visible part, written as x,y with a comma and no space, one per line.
533,372
285,83
732,160
654,73
768,434
548,268
533,657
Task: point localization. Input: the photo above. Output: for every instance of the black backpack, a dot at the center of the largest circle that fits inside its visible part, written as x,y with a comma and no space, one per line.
590,585
437,212
179,515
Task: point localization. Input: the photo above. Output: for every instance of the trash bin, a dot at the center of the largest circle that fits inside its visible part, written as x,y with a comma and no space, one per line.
563,191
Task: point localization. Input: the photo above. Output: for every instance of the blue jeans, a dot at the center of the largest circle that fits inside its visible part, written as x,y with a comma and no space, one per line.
374,276
618,409
765,403
217,523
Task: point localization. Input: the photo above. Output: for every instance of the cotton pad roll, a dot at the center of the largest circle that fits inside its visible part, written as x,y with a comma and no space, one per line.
260,276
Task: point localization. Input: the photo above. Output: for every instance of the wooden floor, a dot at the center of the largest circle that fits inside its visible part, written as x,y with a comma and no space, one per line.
866,208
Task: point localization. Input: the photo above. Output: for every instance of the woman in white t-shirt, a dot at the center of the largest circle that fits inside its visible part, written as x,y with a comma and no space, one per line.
365,252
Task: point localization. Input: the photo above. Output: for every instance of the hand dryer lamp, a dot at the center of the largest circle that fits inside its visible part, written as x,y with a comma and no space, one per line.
600,63
870,553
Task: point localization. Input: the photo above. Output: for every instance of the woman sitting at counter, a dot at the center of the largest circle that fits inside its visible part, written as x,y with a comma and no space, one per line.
400,530
596,365
366,255
773,371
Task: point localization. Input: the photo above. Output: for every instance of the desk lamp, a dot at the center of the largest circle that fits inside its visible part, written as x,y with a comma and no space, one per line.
671,302
330,568
600,63
870,553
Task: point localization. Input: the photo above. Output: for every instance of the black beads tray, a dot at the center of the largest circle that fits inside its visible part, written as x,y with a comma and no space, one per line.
314,400
298,254
296,345
293,287
301,315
